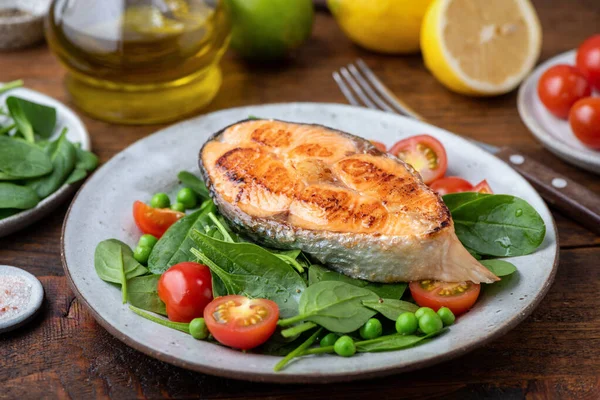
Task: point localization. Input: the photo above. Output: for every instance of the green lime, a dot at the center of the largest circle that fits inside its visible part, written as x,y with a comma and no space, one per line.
264,30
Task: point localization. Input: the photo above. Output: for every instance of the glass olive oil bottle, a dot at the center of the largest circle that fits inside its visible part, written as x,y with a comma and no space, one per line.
139,61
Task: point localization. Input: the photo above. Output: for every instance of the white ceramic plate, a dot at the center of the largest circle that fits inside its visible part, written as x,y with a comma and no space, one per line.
103,209
76,133
554,133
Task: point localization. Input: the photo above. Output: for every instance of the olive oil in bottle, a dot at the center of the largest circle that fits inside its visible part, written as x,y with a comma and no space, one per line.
139,61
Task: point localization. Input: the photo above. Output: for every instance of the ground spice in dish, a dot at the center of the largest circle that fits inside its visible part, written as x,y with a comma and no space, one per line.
13,12
15,293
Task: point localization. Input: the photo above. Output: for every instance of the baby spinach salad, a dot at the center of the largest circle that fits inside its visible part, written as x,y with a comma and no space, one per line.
191,272
32,165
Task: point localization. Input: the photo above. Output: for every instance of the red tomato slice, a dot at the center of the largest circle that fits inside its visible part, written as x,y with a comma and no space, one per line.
585,121
451,184
425,153
186,289
379,145
483,187
239,322
560,87
154,221
458,297
588,60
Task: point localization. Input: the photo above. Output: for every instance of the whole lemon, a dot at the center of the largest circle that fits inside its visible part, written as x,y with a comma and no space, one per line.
386,26
266,30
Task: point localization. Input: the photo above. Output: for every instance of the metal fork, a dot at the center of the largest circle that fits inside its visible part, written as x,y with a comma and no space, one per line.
357,80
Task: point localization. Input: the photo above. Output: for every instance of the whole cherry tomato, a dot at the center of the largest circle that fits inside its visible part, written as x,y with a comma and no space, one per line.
588,60
560,87
186,289
585,121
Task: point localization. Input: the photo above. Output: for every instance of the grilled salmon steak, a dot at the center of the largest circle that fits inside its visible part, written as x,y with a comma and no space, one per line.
333,195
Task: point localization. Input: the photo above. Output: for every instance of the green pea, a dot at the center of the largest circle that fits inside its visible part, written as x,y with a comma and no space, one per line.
187,197
329,339
430,323
407,323
419,313
371,329
344,346
198,329
446,315
147,240
160,200
178,207
142,253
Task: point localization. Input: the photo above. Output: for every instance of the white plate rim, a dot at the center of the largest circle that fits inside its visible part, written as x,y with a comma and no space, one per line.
318,377
25,218
583,159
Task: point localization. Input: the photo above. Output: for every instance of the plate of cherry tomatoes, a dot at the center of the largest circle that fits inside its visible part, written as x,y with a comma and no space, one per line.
560,103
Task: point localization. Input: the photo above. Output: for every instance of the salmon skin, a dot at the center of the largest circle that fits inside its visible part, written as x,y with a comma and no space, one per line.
333,195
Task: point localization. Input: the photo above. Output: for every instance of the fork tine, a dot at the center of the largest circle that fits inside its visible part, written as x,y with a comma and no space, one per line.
398,104
357,89
345,89
365,85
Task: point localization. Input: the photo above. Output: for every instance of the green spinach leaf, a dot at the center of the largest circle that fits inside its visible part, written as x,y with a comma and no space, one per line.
336,306
142,292
10,85
248,269
392,342
193,182
77,175
499,267
32,117
63,156
8,212
15,196
455,200
107,265
317,273
19,158
499,225
86,160
390,308
175,245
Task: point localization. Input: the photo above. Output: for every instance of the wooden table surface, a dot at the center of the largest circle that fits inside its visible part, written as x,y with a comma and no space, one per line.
64,353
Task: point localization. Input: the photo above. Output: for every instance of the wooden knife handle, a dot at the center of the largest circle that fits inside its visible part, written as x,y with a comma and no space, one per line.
560,192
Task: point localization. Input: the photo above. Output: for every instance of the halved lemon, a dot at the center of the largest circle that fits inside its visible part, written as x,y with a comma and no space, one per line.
481,47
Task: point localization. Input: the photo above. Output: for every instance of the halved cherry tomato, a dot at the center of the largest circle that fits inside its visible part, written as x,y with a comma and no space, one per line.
425,153
451,184
588,60
379,145
154,221
483,187
186,290
239,322
585,121
560,87
458,297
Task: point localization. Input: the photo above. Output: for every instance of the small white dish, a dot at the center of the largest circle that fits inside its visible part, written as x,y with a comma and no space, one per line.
33,295
554,133
23,24
76,133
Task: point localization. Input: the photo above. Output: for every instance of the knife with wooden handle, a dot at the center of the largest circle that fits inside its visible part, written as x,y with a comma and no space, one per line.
560,192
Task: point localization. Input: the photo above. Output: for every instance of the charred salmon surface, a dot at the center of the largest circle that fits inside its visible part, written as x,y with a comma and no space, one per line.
333,195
